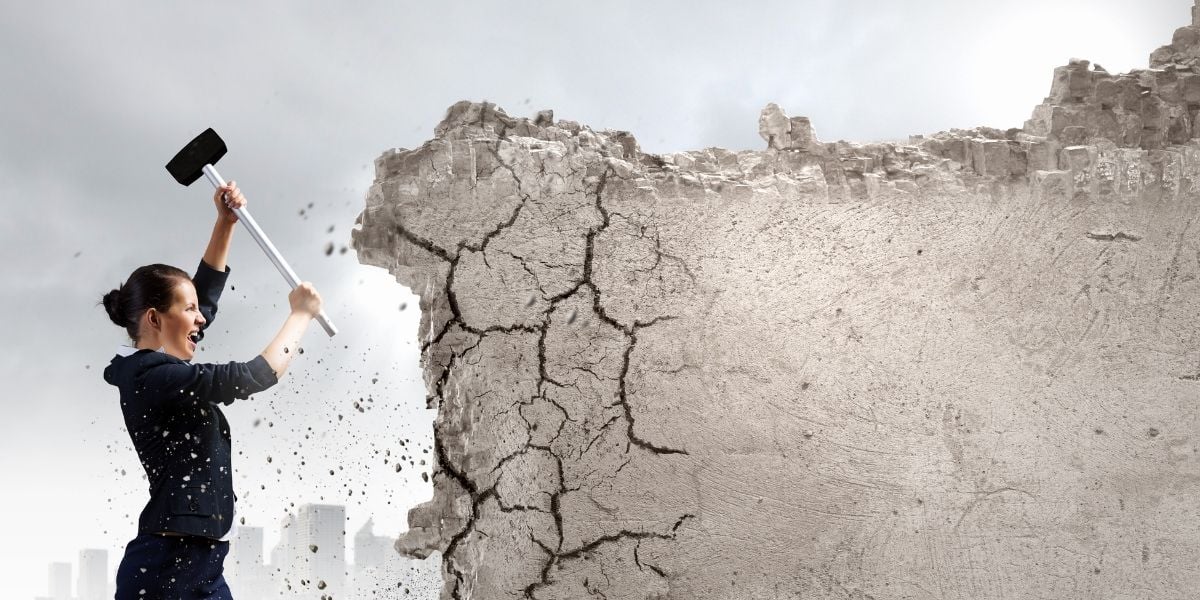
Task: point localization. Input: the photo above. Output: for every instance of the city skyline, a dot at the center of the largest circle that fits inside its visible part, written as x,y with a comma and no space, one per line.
312,558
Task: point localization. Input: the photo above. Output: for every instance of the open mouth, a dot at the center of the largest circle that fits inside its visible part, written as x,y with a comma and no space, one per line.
195,337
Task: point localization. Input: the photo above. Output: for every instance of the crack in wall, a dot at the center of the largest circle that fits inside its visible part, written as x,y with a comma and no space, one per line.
476,496
583,550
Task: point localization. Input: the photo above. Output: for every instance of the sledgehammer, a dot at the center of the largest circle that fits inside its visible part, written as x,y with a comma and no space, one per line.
197,158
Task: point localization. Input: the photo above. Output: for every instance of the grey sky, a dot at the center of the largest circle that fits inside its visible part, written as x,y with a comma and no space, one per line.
98,96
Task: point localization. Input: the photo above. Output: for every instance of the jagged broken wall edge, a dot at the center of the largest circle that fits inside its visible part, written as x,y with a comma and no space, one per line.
964,366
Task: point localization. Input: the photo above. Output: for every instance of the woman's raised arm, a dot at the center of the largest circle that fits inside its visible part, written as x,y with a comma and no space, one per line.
306,304
226,198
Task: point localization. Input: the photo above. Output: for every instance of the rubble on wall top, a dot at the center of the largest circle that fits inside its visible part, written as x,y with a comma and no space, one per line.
1184,49
1146,110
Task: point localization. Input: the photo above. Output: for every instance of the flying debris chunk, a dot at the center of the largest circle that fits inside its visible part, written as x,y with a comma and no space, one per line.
328,248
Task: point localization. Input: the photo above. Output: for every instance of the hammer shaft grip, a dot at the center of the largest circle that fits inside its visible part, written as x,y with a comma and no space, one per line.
326,324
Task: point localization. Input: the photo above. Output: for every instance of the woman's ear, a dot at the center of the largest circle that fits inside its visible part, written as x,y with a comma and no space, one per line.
152,318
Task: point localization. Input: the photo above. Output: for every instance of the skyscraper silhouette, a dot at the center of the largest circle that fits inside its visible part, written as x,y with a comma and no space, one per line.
379,571
93,575
58,582
283,556
368,547
244,568
320,539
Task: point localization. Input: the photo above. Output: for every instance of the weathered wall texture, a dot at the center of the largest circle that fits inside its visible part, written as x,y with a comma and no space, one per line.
961,368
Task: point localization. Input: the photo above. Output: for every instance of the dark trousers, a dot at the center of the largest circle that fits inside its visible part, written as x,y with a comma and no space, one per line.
158,567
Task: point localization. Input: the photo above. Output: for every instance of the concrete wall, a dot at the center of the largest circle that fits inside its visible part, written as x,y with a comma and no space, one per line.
966,367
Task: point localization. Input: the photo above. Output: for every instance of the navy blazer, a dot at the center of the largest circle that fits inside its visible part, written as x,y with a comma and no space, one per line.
182,438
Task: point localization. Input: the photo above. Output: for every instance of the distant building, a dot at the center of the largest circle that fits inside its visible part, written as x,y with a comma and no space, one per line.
93,575
58,583
244,568
379,571
320,539
368,547
283,557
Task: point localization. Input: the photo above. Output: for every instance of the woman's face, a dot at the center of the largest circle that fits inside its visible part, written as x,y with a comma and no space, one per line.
180,322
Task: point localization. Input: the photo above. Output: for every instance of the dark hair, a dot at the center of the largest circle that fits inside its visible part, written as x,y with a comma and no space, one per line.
151,286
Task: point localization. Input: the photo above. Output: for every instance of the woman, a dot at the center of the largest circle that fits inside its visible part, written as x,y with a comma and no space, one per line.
172,414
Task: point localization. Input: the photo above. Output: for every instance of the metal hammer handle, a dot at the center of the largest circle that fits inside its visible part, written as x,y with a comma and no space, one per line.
256,232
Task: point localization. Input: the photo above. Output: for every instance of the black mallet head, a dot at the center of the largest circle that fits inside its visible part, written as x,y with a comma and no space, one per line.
188,164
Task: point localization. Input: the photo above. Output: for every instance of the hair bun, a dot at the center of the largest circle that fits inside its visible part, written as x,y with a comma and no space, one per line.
112,304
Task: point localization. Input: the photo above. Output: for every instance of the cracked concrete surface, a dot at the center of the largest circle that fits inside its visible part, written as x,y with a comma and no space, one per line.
963,367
